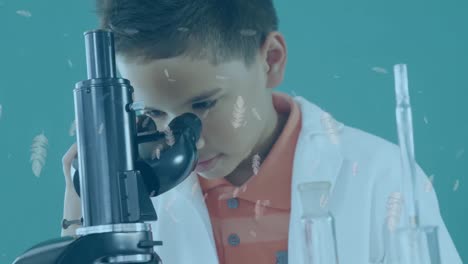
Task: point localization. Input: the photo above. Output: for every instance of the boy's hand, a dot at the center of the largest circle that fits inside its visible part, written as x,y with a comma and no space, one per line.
67,159
71,203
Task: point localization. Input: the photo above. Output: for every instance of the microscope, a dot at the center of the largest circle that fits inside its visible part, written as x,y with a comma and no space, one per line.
114,183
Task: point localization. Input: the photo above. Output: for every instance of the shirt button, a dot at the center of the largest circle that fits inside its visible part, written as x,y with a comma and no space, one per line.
233,240
233,203
282,257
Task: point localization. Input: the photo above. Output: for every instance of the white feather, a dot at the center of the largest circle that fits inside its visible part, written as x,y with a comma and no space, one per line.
170,140
256,163
238,113
39,153
72,129
24,13
394,207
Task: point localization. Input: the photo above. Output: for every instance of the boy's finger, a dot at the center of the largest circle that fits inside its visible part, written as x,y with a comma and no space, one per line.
67,161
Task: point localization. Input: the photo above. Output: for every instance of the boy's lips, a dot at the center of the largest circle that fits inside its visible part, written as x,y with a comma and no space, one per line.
207,160
207,164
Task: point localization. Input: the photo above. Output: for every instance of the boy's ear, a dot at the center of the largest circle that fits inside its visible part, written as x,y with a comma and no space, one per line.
273,54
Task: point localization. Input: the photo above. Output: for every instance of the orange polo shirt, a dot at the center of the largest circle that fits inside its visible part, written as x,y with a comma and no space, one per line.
251,222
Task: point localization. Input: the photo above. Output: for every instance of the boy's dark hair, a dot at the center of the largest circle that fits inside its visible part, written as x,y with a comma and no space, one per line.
217,30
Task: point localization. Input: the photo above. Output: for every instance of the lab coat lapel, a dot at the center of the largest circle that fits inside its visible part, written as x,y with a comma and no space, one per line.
316,158
191,191
184,225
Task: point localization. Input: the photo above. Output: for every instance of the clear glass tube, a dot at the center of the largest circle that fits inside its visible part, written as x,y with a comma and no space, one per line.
318,224
404,119
413,245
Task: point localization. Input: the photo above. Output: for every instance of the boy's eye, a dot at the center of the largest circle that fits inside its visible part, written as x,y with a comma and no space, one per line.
153,113
205,105
145,124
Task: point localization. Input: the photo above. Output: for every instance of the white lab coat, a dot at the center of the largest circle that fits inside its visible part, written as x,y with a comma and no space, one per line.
358,199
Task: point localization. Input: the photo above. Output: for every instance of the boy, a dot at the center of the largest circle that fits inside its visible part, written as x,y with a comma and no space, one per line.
220,60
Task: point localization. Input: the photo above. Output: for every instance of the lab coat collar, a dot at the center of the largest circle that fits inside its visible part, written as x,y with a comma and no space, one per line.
321,134
317,158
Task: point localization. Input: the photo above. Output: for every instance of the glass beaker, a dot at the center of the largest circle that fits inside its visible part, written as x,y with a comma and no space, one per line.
413,245
318,225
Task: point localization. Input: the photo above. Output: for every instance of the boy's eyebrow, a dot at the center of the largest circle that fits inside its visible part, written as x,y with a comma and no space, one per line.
204,95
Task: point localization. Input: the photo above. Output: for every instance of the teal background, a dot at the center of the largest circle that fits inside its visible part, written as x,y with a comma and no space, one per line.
332,45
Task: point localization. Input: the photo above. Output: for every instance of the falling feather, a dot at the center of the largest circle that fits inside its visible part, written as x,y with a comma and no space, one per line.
183,29
166,72
24,13
455,186
429,181
254,111
38,153
1,111
205,114
195,187
170,212
145,122
425,120
248,32
253,233
224,196
238,113
331,127
156,152
200,143
355,168
457,156
72,129
170,202
70,64
220,77
235,193
260,208
130,31
244,188
394,207
101,128
170,140
323,200
379,70
256,163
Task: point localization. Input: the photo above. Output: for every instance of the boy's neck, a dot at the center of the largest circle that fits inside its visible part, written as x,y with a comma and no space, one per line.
244,171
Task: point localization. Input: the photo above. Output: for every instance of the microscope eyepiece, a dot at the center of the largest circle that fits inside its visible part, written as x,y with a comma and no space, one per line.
100,48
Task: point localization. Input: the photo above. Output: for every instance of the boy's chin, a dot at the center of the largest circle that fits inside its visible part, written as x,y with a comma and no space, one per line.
210,176
219,172
224,167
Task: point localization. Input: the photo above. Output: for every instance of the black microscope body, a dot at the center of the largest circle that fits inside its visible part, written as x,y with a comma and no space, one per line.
114,183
